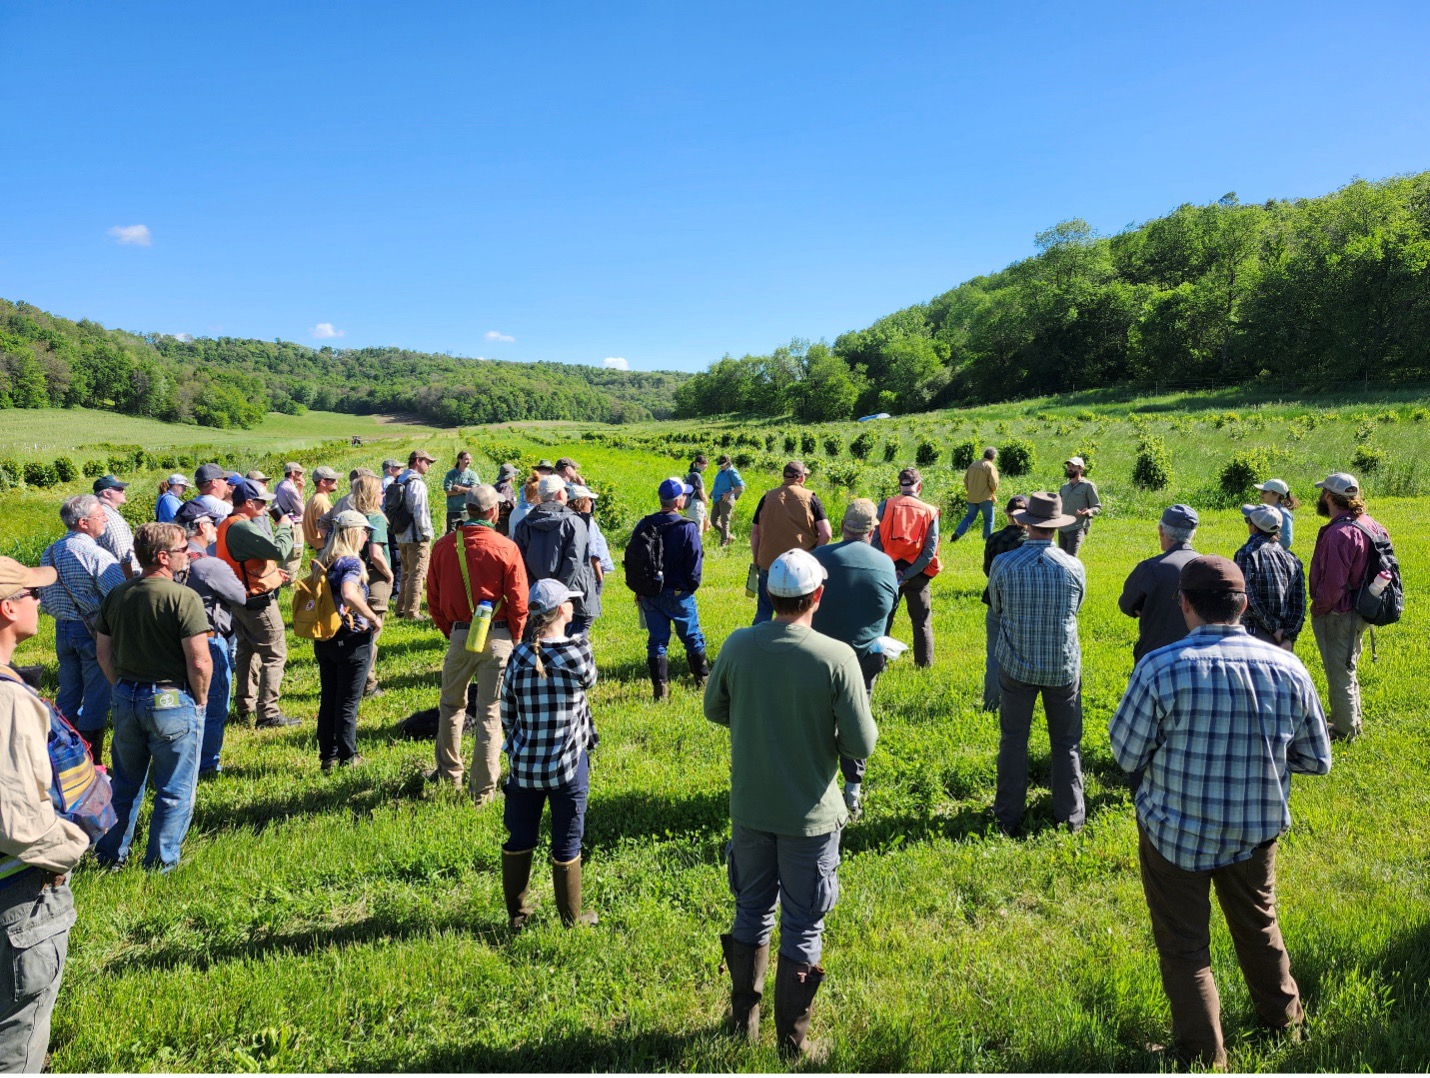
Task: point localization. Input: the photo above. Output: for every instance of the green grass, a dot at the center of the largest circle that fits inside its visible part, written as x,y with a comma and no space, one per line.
354,921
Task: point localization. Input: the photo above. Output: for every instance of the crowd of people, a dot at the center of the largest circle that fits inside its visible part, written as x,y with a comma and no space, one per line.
170,633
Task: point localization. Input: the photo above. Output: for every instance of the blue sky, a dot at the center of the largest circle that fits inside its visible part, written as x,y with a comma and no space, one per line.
658,182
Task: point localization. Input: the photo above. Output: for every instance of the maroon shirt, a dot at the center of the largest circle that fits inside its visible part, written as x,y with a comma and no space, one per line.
1339,563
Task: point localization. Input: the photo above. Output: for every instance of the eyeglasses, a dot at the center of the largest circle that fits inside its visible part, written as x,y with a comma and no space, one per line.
176,550
33,593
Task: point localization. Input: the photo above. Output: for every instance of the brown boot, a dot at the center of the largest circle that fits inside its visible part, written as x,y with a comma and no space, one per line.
747,966
795,986
566,878
515,876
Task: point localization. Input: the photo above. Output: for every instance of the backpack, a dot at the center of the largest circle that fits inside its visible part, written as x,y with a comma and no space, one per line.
394,506
315,613
644,560
1385,608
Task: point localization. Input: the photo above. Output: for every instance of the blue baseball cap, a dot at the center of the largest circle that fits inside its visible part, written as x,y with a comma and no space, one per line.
245,491
1179,516
673,488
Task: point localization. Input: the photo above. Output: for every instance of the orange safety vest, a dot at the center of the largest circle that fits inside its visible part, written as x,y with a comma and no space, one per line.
257,577
904,528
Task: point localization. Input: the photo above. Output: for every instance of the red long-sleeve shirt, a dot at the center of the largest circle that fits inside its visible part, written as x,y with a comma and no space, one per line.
1339,562
497,572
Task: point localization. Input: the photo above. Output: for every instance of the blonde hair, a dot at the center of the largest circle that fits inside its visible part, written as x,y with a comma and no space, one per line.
536,625
365,494
345,543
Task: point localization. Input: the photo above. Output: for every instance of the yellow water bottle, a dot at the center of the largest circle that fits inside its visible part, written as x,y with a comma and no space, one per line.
481,625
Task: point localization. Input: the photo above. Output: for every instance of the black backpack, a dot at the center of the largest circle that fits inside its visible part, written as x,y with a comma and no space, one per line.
394,506
1385,608
644,559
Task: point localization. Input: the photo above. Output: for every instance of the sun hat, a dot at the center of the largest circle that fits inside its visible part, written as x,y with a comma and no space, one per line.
546,595
795,573
14,576
108,482
673,488
1179,516
544,465
177,480
1211,572
482,497
506,471
1342,483
1266,518
1276,486
1045,510
860,516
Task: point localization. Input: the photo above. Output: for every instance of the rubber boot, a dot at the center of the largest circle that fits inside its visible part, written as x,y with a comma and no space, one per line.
566,878
659,667
515,878
699,667
796,984
747,966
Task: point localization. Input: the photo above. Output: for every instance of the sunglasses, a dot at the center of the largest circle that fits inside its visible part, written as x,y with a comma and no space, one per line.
33,593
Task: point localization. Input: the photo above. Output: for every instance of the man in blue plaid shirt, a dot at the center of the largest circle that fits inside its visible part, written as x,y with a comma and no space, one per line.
1275,581
1219,721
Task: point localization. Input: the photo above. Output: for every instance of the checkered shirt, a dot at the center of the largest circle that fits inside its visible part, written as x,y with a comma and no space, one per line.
118,538
90,571
1219,720
1275,587
1036,591
547,721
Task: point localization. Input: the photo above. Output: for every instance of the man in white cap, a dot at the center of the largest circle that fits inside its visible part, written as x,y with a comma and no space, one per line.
794,700
1036,592
1080,501
1150,593
1275,581
1338,568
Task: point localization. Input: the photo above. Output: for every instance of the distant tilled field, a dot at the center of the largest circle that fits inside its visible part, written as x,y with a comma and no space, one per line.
354,921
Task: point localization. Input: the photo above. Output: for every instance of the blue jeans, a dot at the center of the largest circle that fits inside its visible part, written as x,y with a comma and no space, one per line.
216,714
974,508
165,743
764,609
522,814
669,608
84,690
800,872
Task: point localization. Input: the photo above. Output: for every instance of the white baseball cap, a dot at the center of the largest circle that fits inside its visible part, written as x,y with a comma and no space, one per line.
1265,517
1276,486
1342,483
549,486
795,573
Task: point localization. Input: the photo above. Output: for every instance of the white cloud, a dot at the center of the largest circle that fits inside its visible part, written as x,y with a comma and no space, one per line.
616,363
137,235
497,335
324,331
185,337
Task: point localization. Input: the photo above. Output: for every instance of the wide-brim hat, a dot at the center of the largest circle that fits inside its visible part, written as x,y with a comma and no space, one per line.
1045,510
14,575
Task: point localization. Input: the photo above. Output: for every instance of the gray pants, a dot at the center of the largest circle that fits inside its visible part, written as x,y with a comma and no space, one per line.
919,595
992,694
35,925
800,872
1339,638
1063,704
259,660
1070,540
720,515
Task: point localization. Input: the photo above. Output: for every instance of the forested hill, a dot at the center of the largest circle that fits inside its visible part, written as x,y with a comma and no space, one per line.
1304,293
51,362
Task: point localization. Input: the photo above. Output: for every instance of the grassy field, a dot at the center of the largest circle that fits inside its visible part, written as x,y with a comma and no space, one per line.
354,921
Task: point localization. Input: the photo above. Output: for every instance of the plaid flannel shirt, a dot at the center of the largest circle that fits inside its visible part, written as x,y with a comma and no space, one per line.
1000,542
90,571
547,721
1275,588
1220,720
1036,591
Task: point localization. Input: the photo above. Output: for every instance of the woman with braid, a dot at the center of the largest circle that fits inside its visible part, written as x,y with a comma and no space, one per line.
549,735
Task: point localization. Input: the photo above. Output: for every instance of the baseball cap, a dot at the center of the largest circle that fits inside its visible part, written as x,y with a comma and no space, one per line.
350,518
14,576
419,454
192,511
1179,516
482,496
549,485
795,573
547,595
207,473
292,468
1211,572
392,462
1342,483
178,479
581,491
1077,462
108,482
234,479
673,488
860,516
909,477
567,462
257,475
246,491
1266,518
723,459
796,467
322,471
1276,486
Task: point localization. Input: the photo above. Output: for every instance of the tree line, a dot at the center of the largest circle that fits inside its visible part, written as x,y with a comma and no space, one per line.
50,362
1305,293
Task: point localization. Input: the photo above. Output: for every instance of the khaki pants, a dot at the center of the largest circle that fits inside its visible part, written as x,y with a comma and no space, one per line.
259,659
294,565
720,515
1180,904
414,577
379,598
1339,638
458,669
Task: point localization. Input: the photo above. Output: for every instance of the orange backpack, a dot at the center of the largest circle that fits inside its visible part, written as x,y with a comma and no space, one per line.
904,528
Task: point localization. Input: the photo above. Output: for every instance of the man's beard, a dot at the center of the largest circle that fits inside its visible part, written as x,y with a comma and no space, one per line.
1323,505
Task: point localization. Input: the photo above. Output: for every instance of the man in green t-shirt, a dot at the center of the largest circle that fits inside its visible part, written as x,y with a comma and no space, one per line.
152,640
794,701
457,482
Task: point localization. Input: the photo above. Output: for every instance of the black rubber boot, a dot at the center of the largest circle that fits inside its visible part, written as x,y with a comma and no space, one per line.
515,878
659,667
796,984
747,966
566,878
699,667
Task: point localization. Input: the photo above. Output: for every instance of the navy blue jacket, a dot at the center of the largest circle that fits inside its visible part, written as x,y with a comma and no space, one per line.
684,554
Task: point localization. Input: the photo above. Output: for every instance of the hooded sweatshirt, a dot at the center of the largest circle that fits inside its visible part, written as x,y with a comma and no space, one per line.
554,544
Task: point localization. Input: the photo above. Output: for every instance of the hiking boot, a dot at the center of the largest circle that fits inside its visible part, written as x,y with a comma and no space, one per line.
747,966
659,667
276,722
515,878
329,764
699,667
796,984
355,760
566,878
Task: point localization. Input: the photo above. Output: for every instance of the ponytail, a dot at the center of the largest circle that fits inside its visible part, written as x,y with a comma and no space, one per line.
536,624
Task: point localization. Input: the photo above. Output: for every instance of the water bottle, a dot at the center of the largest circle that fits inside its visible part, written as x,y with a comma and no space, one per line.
481,625
1380,583
752,582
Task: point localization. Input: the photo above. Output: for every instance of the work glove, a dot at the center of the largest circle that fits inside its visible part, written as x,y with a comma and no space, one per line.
854,800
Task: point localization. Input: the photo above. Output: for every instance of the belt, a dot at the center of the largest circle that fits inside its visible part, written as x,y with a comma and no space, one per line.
468,625
153,684
46,878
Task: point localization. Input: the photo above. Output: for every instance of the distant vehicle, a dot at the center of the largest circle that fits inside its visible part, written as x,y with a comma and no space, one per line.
876,415
356,440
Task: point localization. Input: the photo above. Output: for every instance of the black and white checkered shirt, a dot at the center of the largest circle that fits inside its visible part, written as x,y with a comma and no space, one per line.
1275,588
547,721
